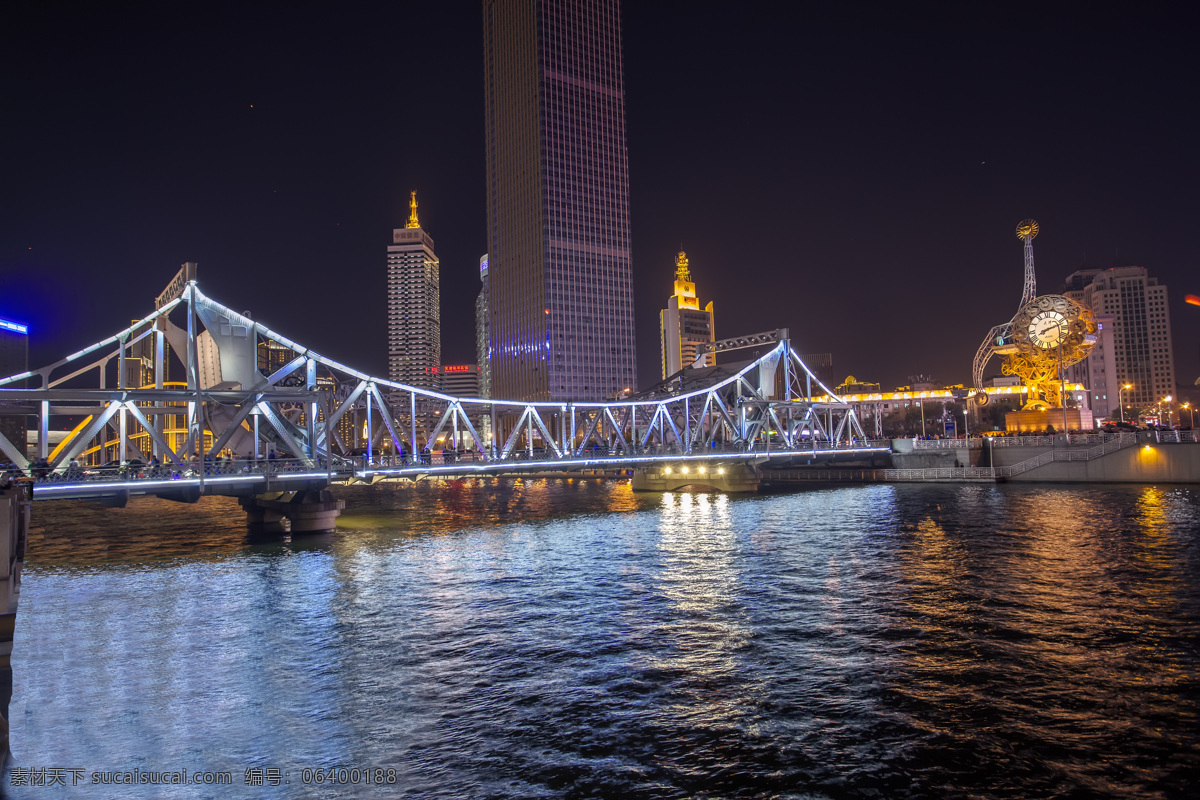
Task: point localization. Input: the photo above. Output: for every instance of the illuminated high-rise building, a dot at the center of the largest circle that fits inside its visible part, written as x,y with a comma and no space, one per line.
821,366
682,325
483,327
14,360
1139,350
458,380
413,305
273,355
561,289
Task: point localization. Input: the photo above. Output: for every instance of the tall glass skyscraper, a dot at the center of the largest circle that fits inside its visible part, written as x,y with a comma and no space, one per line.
561,287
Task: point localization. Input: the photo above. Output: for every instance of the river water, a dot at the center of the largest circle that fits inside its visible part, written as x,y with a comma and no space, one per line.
563,639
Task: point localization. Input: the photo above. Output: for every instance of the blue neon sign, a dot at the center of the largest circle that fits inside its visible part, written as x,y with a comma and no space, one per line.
14,326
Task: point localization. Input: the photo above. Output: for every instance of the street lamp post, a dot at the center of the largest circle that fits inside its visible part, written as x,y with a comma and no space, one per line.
1167,400
1121,399
1191,416
1062,397
966,429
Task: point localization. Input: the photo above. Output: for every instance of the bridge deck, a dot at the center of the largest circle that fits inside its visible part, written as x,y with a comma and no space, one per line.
252,477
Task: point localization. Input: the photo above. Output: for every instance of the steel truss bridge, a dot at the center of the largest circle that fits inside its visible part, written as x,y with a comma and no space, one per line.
251,392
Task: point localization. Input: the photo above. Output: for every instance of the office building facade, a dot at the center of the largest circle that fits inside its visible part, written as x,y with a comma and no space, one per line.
413,305
821,365
1142,355
560,282
1097,373
457,380
682,325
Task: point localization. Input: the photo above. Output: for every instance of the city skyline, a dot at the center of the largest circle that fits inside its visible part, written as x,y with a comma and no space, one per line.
857,184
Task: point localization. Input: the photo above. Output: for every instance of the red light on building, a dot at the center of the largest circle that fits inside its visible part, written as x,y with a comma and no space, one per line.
457,368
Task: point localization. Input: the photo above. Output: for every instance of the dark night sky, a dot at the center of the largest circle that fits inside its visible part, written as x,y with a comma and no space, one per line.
854,176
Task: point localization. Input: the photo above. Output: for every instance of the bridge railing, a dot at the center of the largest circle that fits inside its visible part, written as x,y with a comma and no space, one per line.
192,469
597,452
1050,440
944,444
885,475
1047,440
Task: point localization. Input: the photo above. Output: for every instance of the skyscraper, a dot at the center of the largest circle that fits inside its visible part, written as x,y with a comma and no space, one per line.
483,327
413,305
682,325
1142,355
14,359
561,290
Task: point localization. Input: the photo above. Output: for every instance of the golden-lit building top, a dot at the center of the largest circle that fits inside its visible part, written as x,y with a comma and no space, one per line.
412,208
685,290
682,324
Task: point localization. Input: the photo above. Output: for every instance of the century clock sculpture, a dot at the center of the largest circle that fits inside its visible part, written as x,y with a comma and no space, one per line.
1049,334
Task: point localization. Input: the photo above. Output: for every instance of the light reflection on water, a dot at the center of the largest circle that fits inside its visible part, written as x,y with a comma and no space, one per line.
570,638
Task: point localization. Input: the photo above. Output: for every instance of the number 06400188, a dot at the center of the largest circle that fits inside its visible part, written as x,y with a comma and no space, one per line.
348,775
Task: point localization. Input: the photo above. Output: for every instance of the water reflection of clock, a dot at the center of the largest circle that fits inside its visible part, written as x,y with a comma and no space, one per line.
1048,329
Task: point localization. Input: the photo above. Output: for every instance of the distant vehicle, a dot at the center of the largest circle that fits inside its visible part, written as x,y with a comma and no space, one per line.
111,470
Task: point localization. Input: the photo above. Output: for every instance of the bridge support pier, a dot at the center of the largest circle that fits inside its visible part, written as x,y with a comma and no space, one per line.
304,511
14,531
730,478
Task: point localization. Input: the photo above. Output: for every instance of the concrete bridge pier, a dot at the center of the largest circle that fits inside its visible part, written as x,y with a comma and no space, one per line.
731,478
14,530
303,511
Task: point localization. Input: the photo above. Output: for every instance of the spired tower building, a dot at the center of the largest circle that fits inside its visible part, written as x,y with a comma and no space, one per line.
683,326
560,282
414,306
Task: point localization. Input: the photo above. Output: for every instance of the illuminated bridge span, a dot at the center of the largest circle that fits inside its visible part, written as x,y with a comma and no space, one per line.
251,392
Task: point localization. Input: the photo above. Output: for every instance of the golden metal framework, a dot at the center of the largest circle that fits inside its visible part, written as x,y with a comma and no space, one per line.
682,273
1037,362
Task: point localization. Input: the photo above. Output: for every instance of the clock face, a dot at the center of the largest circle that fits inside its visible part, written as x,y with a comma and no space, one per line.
1048,329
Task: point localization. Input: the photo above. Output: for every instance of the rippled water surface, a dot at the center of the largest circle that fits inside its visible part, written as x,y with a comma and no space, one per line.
572,639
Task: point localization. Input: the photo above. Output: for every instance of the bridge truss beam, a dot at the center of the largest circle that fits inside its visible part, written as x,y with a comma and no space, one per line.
319,411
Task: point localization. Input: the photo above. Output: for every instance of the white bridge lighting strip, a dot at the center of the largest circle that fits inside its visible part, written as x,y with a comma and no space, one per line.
101,487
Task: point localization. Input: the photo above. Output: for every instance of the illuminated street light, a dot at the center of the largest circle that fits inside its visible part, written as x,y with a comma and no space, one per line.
1191,414
1121,400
